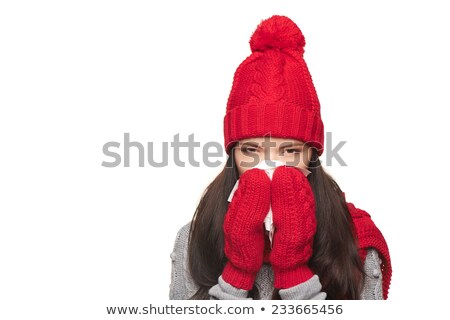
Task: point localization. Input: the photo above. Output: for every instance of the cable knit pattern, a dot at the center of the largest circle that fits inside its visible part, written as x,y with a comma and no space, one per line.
373,284
294,218
243,229
182,286
273,92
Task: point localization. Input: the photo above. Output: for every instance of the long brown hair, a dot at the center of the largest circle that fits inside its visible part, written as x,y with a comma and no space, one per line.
335,256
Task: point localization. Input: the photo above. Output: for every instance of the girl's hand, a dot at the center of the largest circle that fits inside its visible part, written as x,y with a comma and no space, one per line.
294,219
244,231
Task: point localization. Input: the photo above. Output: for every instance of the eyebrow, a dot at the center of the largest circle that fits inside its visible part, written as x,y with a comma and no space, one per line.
283,144
250,143
292,144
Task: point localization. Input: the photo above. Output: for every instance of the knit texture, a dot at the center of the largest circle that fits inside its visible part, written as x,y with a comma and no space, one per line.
369,236
272,92
294,218
182,286
244,230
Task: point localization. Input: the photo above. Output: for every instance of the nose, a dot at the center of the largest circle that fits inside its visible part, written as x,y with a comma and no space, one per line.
272,158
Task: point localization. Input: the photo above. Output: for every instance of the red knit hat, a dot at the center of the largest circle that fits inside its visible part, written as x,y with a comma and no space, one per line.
272,92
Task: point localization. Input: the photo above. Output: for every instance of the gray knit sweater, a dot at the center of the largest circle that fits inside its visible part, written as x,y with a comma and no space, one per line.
183,287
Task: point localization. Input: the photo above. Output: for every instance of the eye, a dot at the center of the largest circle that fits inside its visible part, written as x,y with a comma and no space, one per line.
293,151
248,150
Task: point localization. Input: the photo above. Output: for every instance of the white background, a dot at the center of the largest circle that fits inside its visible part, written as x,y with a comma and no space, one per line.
76,237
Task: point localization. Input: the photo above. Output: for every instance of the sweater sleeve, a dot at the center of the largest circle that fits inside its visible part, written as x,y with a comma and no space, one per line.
373,282
225,291
182,286
308,290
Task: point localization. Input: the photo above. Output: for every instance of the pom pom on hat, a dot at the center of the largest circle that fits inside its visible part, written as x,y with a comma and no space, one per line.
277,32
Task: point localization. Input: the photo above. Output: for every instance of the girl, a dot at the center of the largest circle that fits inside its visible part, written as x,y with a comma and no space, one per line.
319,246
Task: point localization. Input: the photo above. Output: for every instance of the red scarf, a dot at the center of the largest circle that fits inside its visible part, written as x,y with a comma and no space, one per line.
369,236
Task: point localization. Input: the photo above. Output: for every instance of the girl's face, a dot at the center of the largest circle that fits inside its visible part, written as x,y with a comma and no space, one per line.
248,153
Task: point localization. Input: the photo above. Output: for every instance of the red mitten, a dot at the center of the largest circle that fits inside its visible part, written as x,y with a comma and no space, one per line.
294,219
244,230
